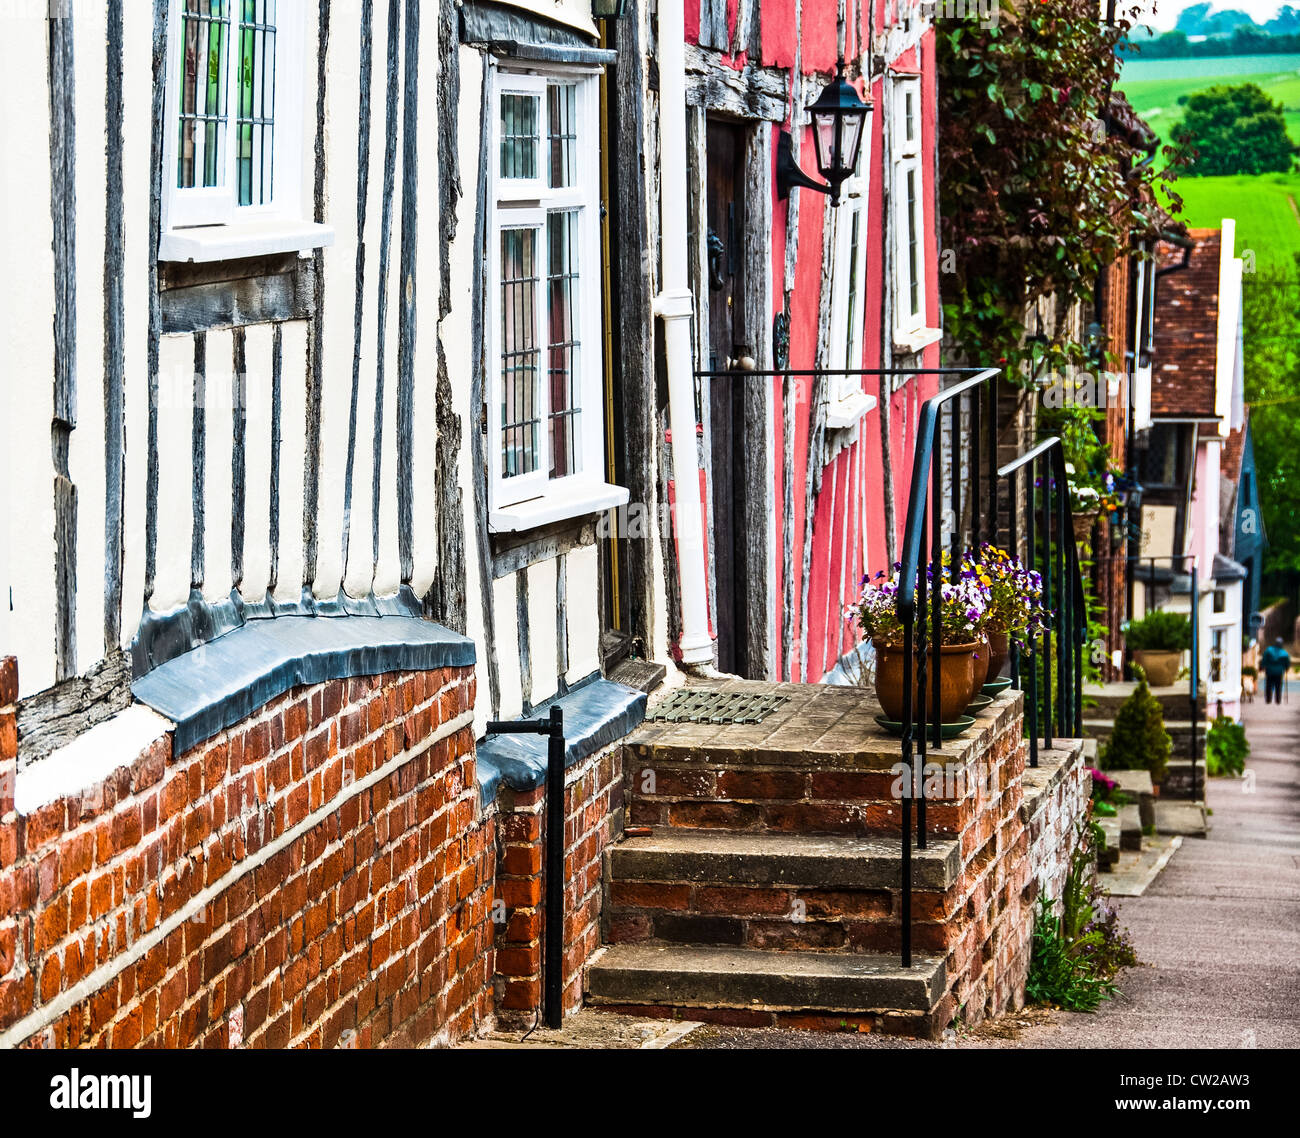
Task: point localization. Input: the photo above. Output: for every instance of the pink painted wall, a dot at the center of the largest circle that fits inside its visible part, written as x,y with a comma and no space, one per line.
850,503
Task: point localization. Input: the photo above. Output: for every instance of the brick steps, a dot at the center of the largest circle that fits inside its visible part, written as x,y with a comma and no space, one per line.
768,889
766,986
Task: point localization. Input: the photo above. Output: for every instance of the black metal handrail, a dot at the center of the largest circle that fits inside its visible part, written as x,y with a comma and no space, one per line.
1049,543
553,957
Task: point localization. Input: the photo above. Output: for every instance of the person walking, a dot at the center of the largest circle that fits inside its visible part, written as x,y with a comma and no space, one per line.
1276,662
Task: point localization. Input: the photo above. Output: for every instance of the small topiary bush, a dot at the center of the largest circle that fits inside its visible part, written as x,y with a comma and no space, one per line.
1138,740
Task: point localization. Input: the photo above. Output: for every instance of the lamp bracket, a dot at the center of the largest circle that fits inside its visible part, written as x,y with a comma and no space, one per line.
788,174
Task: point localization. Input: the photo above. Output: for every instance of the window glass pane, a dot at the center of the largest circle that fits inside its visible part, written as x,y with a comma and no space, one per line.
852,317
255,124
562,341
913,250
519,135
562,133
205,33
520,392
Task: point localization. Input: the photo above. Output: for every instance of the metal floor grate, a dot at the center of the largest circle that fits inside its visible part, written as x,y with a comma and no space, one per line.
694,705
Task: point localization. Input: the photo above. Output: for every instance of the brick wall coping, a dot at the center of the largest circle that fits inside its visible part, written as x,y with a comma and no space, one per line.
90,758
595,715
217,684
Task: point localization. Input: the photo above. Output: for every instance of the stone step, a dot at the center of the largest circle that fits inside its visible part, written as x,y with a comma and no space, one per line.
1178,779
1130,827
1180,731
820,766
791,892
835,861
1102,701
1186,818
648,976
1109,854
1137,786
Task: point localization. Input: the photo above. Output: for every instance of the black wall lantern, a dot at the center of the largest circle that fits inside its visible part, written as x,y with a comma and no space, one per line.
607,9
838,119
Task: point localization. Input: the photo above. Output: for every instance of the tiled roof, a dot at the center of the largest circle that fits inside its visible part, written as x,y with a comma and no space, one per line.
1185,344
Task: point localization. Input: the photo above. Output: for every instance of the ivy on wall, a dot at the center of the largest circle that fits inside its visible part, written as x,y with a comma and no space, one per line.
1037,195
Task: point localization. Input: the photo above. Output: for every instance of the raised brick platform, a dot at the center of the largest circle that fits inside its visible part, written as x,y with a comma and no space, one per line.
775,851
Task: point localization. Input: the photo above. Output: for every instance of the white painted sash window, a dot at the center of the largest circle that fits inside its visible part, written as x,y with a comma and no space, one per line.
848,401
907,220
234,143
545,423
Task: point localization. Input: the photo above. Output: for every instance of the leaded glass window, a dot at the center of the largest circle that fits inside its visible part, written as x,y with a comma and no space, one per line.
519,135
255,87
520,362
205,48
563,343
235,100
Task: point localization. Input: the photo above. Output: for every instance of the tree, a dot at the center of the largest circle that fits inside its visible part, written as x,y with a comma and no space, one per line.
1271,359
1236,130
1191,20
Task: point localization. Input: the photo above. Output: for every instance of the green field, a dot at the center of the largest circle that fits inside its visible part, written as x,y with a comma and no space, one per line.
1264,208
1154,86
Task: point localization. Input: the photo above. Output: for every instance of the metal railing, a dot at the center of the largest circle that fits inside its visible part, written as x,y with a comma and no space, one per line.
553,954
975,493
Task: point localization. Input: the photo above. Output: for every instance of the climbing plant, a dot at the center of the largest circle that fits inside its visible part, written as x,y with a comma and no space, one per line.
1037,196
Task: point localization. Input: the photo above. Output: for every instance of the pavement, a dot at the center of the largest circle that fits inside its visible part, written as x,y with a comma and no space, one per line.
1217,931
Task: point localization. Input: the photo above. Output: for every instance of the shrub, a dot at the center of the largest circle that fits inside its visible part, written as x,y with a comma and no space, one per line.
1138,740
1225,747
1159,632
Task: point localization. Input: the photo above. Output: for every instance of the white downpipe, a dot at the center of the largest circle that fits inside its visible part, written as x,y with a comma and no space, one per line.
674,305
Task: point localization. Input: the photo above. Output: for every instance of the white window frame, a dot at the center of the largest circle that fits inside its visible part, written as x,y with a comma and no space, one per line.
848,401
207,223
911,332
524,501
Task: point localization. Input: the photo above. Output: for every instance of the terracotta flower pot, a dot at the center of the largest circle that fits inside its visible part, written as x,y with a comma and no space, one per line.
999,654
1161,668
957,685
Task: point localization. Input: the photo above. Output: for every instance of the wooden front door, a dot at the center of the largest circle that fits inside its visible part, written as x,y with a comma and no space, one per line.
725,214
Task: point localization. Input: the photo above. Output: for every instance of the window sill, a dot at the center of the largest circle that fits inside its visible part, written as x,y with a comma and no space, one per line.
556,506
243,239
846,413
912,342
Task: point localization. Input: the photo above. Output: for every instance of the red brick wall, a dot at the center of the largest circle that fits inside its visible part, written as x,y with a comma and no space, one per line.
593,805
318,875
